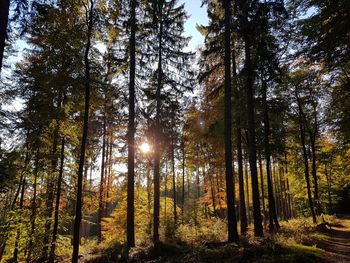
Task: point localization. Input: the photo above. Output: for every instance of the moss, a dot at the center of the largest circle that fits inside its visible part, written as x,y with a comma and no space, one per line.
300,253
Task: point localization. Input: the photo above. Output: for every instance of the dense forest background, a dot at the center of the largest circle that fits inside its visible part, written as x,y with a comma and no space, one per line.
113,133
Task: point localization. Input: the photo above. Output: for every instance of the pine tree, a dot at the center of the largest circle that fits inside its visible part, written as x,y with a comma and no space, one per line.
79,199
165,44
131,127
230,194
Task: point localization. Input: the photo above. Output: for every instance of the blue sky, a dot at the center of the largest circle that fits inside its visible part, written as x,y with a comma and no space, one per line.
198,15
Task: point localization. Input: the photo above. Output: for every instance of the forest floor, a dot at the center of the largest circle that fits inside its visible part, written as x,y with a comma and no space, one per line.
297,241
337,242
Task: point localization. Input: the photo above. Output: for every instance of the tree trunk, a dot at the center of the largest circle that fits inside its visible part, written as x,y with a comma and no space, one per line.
262,189
4,15
50,185
102,180
79,201
33,214
198,195
174,180
318,208
247,189
183,180
289,199
157,152
230,195
328,174
242,207
312,135
57,204
273,220
109,174
149,199
165,190
258,229
305,156
277,193
15,252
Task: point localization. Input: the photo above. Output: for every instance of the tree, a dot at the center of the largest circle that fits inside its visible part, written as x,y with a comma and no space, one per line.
4,15
169,60
131,128
79,199
249,82
230,194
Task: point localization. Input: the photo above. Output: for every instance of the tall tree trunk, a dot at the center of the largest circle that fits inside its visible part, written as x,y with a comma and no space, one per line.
273,220
278,198
210,175
15,252
109,174
33,208
312,135
183,180
4,15
289,199
282,187
258,229
174,180
247,189
102,181
198,194
262,189
50,185
230,195
242,206
148,175
165,190
79,201
306,160
318,209
157,152
57,204
328,174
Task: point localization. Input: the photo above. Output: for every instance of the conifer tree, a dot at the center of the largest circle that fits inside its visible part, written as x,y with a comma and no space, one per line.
165,27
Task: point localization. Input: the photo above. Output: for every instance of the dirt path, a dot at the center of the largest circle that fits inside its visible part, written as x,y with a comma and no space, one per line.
337,244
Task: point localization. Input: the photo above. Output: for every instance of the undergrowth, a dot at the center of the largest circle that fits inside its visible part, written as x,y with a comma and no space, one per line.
296,241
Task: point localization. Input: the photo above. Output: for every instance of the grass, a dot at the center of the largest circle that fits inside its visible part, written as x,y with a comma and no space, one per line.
301,253
297,241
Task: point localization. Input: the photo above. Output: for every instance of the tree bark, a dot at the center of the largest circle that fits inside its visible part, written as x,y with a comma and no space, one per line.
79,201
57,204
230,195
305,156
33,208
4,15
242,206
247,189
328,174
318,208
183,180
273,220
258,229
262,189
15,252
174,180
102,180
50,184
157,152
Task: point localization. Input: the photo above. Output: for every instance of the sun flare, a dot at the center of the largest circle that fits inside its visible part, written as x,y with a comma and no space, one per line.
145,147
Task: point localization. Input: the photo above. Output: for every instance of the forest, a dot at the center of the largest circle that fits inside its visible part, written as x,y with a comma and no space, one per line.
119,143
